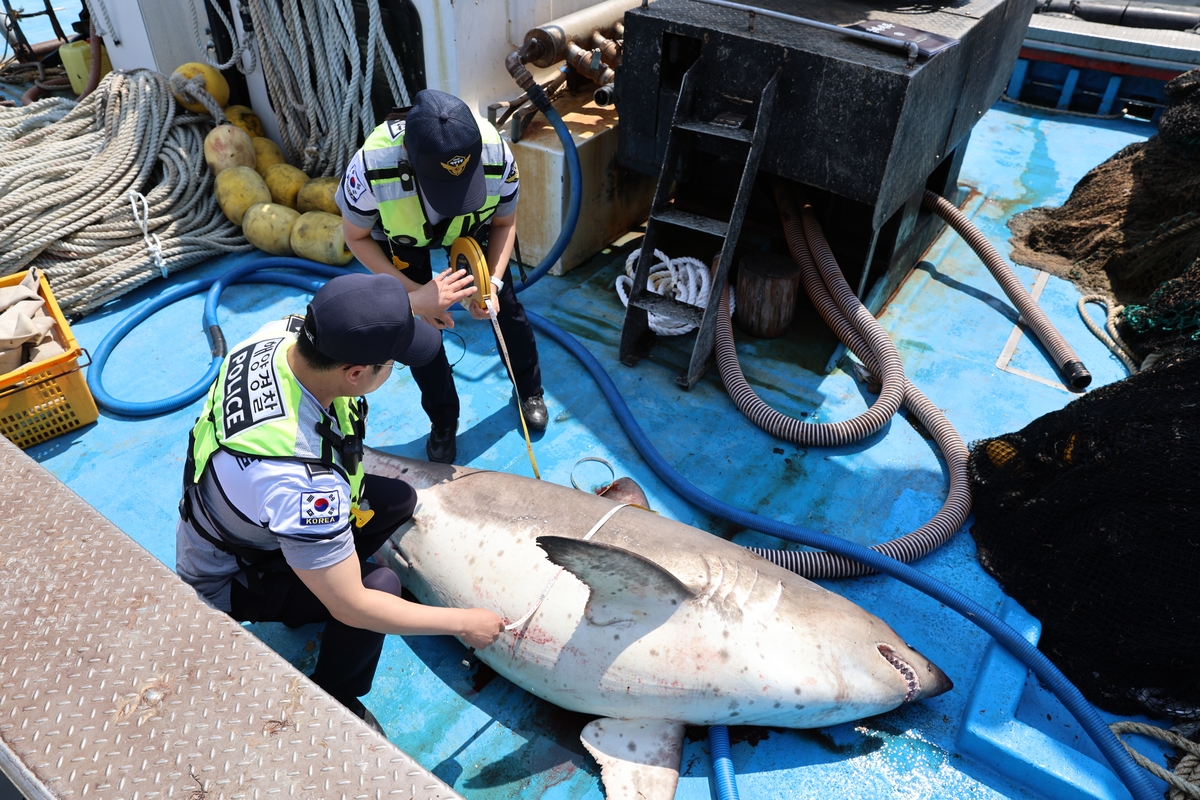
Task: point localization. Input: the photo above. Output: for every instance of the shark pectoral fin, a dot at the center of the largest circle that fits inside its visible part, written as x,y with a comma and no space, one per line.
639,760
625,587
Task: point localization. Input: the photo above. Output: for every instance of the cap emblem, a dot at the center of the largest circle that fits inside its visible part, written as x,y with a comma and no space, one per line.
456,165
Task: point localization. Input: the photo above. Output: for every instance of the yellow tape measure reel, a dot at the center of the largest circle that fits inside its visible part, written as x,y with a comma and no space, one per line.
465,253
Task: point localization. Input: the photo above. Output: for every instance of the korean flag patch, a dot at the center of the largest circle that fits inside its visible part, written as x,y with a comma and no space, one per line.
319,508
355,183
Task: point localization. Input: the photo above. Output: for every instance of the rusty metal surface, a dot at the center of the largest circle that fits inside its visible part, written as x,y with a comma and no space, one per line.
117,681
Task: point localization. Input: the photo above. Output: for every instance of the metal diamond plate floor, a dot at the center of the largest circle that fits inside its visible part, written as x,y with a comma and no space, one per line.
117,681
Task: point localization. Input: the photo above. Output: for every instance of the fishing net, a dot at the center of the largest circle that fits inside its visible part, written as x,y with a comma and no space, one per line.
1134,221
1171,320
1088,517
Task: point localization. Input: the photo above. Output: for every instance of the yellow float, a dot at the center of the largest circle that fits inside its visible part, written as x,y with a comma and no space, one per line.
267,154
317,235
317,195
214,83
239,188
228,146
284,181
245,118
268,226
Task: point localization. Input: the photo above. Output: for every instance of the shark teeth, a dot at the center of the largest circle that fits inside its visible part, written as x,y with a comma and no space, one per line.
906,671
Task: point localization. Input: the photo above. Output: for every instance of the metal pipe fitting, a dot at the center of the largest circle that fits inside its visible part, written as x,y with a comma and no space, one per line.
516,67
589,64
553,37
611,50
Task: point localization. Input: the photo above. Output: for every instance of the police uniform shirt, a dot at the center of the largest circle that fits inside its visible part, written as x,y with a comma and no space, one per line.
304,510
359,206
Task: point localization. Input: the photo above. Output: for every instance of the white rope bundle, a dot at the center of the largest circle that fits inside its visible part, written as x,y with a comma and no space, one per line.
245,67
106,194
684,278
320,78
1112,338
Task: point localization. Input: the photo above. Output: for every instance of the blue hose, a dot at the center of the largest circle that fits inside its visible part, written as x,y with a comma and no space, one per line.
1130,774
214,286
575,173
722,763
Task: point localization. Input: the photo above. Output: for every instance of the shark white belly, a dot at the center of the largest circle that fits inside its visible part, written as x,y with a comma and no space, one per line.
651,624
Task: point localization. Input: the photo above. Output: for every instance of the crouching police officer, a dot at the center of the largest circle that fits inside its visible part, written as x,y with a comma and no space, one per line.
426,176
278,516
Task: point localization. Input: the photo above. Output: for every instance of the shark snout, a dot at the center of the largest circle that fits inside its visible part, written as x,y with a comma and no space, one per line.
922,677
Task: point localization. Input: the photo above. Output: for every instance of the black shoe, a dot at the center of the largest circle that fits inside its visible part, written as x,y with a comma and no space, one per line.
441,446
536,415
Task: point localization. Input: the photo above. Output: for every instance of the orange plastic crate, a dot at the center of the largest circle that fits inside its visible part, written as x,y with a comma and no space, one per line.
47,398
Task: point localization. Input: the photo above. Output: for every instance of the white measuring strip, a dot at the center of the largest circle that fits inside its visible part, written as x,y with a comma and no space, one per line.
513,625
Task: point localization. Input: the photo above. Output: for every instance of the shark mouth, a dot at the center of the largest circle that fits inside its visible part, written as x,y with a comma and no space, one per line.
904,668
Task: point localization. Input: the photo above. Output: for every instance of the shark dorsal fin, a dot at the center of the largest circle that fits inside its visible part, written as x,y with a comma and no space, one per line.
624,585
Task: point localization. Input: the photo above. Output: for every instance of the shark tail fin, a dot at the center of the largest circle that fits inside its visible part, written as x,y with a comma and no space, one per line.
638,758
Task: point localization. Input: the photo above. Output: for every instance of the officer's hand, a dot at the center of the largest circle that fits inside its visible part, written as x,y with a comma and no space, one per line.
481,627
441,322
446,289
481,312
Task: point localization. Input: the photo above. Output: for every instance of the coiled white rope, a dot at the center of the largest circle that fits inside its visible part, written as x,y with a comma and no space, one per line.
70,176
1109,334
320,78
107,29
686,279
240,48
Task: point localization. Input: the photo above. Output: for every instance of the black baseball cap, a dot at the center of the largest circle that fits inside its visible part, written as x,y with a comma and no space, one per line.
367,319
445,148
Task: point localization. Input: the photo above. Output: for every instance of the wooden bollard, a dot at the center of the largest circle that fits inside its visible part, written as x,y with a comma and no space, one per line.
766,294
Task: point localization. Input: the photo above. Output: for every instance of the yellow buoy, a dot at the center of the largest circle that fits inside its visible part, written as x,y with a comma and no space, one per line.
268,226
318,236
317,195
267,154
239,188
214,83
284,181
228,146
245,118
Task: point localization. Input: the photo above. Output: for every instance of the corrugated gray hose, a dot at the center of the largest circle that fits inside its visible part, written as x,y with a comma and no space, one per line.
1069,365
866,338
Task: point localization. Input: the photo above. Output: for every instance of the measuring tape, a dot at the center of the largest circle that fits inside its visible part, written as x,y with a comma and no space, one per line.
465,253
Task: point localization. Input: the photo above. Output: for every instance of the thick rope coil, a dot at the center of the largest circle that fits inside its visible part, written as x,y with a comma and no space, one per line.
1185,781
67,171
319,77
686,279
1109,334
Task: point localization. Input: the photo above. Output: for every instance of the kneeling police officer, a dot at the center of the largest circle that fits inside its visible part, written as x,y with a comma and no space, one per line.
278,515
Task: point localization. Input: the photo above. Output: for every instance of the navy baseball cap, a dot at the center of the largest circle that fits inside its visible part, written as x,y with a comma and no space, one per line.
367,319
446,149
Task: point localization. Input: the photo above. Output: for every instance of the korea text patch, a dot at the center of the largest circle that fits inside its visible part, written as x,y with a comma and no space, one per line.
319,508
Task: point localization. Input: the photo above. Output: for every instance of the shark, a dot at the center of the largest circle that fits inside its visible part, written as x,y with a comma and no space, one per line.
647,623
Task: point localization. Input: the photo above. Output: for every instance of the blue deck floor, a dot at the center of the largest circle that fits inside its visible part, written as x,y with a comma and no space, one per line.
950,321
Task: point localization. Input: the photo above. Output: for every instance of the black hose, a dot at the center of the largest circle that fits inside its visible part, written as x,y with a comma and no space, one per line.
1072,369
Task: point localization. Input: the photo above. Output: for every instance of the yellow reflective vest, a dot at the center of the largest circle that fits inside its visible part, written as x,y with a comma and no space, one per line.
393,182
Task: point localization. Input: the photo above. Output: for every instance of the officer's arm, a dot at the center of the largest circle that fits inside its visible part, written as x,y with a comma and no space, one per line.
340,589
429,300
500,244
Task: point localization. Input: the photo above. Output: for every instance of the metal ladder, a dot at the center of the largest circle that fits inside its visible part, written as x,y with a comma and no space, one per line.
636,336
